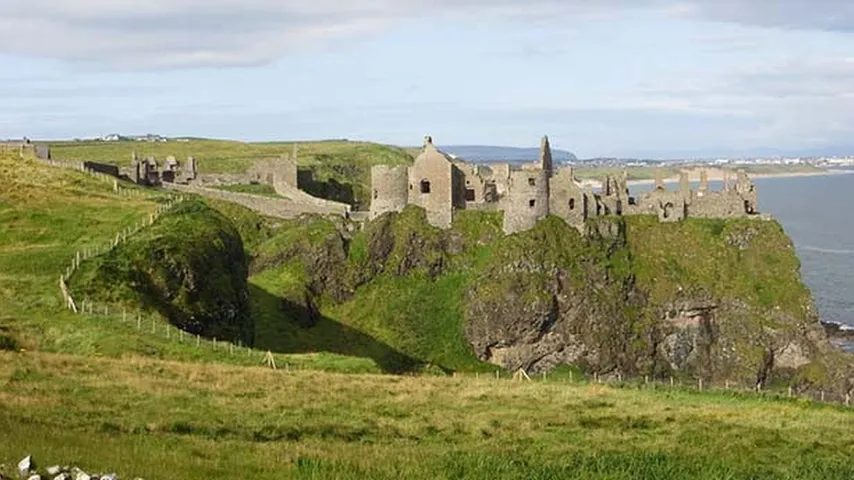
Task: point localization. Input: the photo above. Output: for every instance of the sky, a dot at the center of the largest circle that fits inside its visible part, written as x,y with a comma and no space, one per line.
639,78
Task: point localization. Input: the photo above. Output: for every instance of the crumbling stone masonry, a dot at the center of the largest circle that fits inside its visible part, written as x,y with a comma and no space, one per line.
148,172
441,185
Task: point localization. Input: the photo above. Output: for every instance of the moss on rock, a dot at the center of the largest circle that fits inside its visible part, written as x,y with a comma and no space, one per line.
190,265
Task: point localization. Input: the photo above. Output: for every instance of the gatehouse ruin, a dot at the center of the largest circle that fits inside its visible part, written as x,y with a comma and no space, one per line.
442,185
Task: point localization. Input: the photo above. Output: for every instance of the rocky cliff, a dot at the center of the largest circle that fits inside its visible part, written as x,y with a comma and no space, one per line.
714,299
719,300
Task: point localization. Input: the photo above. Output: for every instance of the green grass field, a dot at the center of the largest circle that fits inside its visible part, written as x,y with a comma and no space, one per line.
168,420
340,170
226,156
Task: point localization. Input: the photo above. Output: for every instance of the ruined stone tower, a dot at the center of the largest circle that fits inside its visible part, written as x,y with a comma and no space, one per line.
390,189
527,200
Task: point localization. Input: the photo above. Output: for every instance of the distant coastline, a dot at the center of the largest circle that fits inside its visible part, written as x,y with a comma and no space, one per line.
715,174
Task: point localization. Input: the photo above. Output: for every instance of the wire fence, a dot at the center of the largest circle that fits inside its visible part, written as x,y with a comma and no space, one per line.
677,384
157,328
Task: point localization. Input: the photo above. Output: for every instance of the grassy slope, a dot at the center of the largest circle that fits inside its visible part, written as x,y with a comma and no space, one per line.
181,421
411,314
47,215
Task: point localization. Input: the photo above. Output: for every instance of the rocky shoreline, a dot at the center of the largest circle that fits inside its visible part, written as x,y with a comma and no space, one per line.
840,335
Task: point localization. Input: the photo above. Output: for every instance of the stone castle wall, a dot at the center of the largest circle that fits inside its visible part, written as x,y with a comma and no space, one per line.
390,189
527,200
567,199
717,205
440,184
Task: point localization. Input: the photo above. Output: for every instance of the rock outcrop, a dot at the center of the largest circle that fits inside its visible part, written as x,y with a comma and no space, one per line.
190,266
725,302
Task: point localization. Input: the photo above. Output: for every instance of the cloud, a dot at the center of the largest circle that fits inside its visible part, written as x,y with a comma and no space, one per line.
129,33
795,101
837,15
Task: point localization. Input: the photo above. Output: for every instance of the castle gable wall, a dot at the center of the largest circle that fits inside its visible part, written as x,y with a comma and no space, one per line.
434,185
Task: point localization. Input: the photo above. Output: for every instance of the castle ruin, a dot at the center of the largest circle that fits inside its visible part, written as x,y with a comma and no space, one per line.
149,173
441,185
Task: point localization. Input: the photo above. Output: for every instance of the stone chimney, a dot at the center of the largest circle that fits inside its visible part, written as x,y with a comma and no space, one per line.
546,156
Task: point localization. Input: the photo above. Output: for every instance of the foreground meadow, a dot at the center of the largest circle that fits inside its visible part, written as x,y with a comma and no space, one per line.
161,419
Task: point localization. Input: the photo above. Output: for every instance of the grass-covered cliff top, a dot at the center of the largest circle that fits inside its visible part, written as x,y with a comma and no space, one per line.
226,156
416,277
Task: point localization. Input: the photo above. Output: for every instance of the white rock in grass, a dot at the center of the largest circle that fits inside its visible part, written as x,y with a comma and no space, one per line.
26,465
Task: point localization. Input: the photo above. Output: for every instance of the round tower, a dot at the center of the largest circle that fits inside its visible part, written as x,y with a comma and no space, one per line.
526,200
389,189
